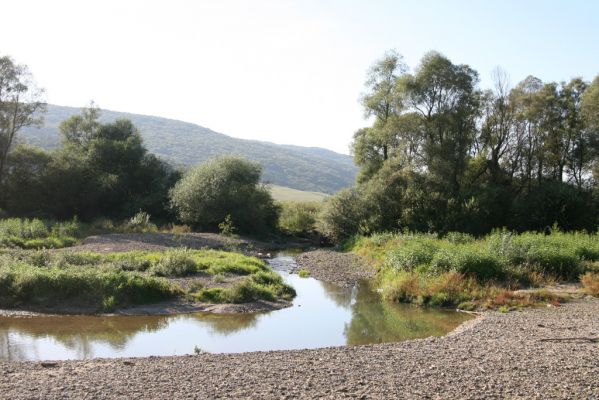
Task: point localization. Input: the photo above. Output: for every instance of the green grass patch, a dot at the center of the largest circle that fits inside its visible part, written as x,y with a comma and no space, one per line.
459,269
43,278
105,288
38,234
303,273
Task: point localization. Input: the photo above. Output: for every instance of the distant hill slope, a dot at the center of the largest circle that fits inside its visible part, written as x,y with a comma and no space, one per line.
304,168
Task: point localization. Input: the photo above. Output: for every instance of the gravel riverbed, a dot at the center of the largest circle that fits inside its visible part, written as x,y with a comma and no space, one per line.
341,269
537,353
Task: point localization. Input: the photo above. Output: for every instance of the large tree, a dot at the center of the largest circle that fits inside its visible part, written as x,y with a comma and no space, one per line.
20,105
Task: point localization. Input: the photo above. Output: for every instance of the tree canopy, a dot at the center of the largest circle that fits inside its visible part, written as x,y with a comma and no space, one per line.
221,187
442,154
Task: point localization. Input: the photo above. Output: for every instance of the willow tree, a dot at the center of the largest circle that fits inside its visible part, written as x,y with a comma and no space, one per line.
20,105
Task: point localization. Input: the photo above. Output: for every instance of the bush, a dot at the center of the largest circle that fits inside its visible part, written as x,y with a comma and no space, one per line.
140,222
225,186
341,216
178,262
299,218
38,234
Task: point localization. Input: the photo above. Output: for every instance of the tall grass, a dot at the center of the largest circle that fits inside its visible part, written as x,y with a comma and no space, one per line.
45,279
105,288
419,267
36,233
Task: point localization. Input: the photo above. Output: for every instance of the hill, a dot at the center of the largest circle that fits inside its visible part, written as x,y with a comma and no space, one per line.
303,168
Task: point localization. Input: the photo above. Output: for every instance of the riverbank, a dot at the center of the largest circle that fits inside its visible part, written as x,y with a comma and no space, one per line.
160,241
536,353
341,269
138,283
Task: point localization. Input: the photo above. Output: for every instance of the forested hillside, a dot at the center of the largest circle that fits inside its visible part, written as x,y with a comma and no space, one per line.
304,168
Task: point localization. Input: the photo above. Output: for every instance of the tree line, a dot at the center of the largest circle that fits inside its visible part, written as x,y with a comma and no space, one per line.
443,155
103,170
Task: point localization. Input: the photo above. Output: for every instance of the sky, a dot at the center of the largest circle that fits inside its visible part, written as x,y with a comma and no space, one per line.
285,71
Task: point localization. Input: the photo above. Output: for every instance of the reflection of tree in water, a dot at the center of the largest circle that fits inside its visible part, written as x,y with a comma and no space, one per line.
339,295
78,333
376,321
9,351
226,324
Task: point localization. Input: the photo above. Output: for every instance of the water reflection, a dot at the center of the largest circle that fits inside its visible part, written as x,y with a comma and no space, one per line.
322,315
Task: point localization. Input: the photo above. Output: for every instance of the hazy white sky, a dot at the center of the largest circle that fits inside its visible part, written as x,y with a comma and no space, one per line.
279,70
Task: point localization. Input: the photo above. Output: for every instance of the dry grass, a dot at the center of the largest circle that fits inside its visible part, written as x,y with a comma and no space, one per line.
590,282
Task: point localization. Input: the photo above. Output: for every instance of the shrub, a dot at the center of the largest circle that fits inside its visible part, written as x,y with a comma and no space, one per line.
140,222
225,186
341,216
178,262
303,273
211,295
247,291
412,254
299,218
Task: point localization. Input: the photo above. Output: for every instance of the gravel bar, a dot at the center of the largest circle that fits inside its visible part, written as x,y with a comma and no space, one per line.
341,269
513,355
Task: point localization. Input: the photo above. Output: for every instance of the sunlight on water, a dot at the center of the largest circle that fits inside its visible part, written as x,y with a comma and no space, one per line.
322,315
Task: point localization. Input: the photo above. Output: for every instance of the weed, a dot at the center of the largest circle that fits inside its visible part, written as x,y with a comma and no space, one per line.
590,282
303,273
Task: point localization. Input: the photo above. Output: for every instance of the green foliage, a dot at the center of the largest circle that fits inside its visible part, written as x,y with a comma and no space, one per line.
342,215
178,262
107,281
502,256
38,234
299,218
226,227
140,222
307,169
26,285
303,273
100,170
225,186
442,155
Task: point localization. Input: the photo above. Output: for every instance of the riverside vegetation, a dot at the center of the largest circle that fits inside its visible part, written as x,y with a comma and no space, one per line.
460,271
43,279
442,155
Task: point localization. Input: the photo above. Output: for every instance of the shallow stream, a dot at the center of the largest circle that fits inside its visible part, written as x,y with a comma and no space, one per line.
322,315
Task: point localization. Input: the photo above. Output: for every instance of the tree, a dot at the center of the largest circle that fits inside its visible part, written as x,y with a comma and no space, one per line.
382,101
224,186
101,170
20,105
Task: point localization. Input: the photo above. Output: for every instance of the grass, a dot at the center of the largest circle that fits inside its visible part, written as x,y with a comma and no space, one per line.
105,281
303,273
458,269
590,282
105,288
299,218
37,234
281,193
263,285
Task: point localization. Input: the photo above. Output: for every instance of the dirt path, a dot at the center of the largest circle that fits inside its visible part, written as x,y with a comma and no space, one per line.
496,356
